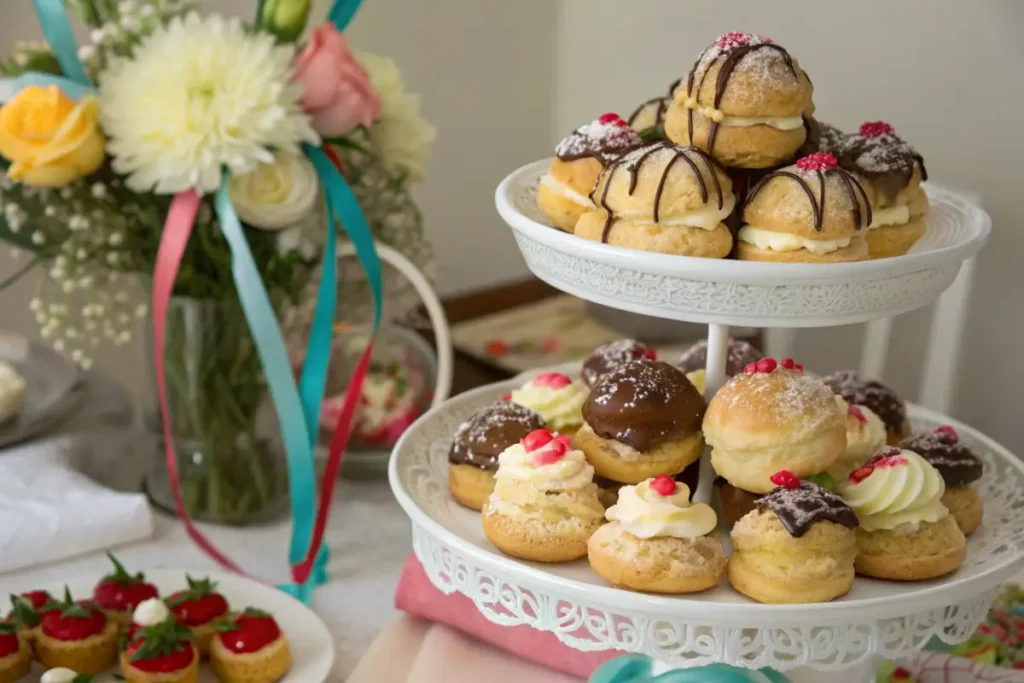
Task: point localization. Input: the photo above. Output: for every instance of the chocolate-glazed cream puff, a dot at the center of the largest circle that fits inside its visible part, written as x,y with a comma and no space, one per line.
663,198
882,400
564,193
958,467
473,458
744,103
641,420
606,358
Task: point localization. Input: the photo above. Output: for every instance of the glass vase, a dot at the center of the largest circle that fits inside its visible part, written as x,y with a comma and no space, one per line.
231,463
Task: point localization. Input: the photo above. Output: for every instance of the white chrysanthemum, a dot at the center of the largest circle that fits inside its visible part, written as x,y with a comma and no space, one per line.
198,95
402,135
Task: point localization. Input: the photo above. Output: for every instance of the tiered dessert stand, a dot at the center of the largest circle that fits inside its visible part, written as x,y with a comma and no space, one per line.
876,619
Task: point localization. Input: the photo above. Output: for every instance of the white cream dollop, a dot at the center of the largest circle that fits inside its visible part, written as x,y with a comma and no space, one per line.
893,215
561,407
59,674
645,513
569,473
865,435
784,241
903,491
707,218
561,188
12,391
777,122
150,612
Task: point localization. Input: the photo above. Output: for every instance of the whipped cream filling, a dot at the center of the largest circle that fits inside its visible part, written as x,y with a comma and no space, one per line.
645,513
784,241
623,450
561,188
707,218
776,122
893,215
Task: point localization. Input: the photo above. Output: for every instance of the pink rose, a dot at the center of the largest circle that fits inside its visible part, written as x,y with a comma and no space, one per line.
337,93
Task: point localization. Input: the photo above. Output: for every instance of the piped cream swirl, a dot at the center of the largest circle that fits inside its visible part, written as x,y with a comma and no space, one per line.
645,513
901,491
560,408
518,467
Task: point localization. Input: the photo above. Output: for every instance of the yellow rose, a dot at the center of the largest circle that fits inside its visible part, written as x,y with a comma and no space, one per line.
48,138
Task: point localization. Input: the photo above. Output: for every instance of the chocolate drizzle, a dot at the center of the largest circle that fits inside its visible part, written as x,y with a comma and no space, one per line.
798,509
853,187
882,400
481,439
603,142
947,454
635,159
733,56
662,105
885,159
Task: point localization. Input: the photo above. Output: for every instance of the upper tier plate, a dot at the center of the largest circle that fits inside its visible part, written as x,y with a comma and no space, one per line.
749,293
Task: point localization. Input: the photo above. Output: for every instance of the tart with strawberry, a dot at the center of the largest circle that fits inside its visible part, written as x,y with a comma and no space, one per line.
15,652
120,592
199,607
160,653
27,610
76,635
250,647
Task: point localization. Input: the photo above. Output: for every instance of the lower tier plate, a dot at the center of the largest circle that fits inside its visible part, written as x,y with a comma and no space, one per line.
718,626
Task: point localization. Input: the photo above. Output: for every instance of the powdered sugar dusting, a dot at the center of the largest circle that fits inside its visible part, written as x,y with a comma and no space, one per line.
491,430
610,356
738,355
799,508
766,64
799,395
946,453
604,141
638,381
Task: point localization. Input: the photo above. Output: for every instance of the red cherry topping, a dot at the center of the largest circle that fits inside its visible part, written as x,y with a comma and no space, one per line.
947,429
901,674
819,161
875,129
766,365
647,352
164,662
734,39
785,479
861,473
506,397
537,439
78,621
788,363
9,643
750,368
664,485
611,117
857,413
552,380
253,631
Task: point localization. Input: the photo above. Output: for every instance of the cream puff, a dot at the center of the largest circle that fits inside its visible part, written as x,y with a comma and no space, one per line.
959,468
865,436
773,417
876,397
893,172
662,198
648,119
545,504
556,398
250,648
744,103
641,420
473,457
564,192
810,212
15,653
905,533
798,546
739,354
658,541
78,636
606,358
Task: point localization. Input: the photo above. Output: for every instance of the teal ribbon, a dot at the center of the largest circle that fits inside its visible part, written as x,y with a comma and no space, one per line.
639,669
9,87
57,29
342,11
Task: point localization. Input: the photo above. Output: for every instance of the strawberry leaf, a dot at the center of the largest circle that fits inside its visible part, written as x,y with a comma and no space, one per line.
161,640
8,627
120,574
24,612
225,624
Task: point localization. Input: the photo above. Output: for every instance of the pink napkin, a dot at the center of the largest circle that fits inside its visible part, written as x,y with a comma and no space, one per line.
418,596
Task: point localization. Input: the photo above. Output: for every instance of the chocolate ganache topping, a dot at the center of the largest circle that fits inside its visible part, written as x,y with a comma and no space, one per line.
882,400
481,439
643,404
831,140
606,358
739,354
604,139
945,452
877,153
799,508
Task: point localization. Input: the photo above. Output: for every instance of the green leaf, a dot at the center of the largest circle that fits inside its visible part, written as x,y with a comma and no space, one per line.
120,574
8,627
87,678
68,600
824,480
161,640
24,612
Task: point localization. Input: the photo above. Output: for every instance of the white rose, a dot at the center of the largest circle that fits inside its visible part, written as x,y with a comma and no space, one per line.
150,612
277,195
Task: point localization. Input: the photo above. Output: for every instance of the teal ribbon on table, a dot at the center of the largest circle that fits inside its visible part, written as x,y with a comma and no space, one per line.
639,669
57,29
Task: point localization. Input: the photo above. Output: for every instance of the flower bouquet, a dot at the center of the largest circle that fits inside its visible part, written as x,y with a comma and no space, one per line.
200,153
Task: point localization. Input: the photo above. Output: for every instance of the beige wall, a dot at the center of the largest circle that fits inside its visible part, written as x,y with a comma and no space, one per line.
504,80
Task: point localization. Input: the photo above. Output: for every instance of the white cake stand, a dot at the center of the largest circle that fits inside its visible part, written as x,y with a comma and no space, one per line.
876,619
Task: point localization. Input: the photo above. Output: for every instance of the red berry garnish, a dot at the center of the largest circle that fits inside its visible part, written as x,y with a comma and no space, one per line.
537,439
861,473
252,631
734,39
799,366
947,429
900,674
551,453
611,117
766,365
198,605
552,380
819,161
875,129
506,397
647,352
497,348
857,413
887,452
121,591
564,439
664,485
788,363
750,368
785,479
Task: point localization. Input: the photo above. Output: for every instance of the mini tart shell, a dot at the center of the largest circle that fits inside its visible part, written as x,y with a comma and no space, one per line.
965,506
656,565
91,655
470,485
680,240
202,636
16,665
935,549
266,665
670,457
894,240
531,539
856,251
189,674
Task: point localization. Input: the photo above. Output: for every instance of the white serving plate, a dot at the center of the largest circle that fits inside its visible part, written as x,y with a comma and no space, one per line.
877,618
310,642
747,293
